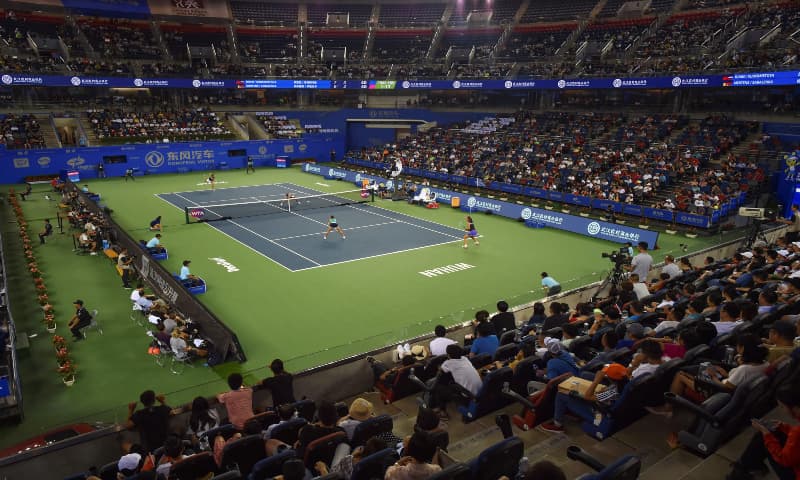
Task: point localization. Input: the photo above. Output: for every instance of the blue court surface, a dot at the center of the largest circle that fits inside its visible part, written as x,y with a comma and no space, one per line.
294,239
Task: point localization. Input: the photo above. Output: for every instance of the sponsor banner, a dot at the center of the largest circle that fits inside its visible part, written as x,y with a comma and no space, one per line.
213,8
632,210
159,158
190,8
604,204
113,8
693,220
658,214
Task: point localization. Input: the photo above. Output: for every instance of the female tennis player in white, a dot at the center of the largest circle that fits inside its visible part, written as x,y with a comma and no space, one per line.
333,225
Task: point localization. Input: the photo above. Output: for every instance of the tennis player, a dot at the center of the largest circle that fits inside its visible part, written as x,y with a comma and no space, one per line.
470,232
288,197
212,179
333,225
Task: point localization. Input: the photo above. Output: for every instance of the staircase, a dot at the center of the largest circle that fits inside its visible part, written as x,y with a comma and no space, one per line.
81,37
88,131
47,130
159,38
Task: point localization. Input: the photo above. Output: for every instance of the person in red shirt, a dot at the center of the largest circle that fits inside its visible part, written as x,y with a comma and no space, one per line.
777,442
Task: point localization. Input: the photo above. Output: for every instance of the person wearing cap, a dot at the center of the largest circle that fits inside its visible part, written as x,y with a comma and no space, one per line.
359,411
559,360
81,319
780,341
583,407
154,244
793,231
186,276
633,333
129,464
550,285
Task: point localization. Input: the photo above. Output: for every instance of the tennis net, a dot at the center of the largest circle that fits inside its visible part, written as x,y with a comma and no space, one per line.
227,211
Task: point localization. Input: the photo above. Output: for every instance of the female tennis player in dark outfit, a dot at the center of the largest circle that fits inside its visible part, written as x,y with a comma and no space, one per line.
471,232
333,225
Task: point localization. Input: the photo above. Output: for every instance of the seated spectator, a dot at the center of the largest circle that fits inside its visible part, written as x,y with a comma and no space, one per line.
674,317
47,230
584,407
280,385
181,349
766,301
487,341
87,242
633,333
557,317
154,244
504,320
438,345
639,287
418,462
202,419
325,425
251,427
776,442
173,452
728,318
465,377
569,332
647,360
670,267
538,317
152,421
559,360
781,340
344,467
129,465
286,412
360,410
238,401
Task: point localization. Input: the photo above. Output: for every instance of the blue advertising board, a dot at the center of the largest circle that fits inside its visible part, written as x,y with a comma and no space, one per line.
15,165
665,82
571,223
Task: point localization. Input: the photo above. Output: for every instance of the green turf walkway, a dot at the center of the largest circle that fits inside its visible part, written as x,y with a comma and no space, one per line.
307,318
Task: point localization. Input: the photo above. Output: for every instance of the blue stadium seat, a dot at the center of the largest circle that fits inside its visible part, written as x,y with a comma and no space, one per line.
489,397
500,459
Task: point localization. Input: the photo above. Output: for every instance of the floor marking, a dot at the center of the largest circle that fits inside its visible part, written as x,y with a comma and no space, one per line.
345,229
206,183
273,242
322,184
379,255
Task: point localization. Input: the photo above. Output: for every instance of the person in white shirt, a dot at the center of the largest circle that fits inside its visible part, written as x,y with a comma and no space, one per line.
438,345
728,318
647,360
464,375
639,287
642,262
670,267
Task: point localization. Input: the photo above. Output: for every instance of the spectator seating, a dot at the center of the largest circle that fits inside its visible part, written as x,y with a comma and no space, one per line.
20,132
550,10
243,453
175,125
359,13
177,37
411,14
489,397
267,45
120,38
407,46
264,13
323,449
352,40
500,459
375,465
271,466
370,428
540,41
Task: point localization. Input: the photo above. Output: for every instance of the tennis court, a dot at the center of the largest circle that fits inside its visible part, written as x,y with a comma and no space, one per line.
290,232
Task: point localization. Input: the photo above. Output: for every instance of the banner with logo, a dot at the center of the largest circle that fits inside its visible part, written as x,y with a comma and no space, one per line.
571,223
190,8
15,165
112,8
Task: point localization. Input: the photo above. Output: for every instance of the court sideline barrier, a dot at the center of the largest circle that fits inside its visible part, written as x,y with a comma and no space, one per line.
225,342
572,223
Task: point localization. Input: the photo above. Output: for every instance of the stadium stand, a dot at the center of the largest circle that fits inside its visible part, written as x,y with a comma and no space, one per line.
264,13
128,126
359,14
411,15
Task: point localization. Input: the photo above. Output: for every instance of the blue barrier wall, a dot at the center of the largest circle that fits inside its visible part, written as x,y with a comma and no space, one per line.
15,165
532,216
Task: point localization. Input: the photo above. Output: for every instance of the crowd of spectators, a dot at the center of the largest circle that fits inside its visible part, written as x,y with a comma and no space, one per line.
279,126
606,156
87,66
20,132
120,39
169,125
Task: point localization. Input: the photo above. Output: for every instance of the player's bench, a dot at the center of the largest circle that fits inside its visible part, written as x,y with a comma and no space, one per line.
193,289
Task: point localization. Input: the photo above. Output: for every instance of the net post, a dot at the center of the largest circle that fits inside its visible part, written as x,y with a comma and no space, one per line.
186,213
371,194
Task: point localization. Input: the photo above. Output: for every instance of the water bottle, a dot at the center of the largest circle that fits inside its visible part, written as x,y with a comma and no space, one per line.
523,467
730,355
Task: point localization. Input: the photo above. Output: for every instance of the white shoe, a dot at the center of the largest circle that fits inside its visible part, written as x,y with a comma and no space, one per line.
343,237
324,237
477,243
465,246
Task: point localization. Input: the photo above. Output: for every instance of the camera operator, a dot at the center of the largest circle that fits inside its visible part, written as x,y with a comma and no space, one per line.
794,224
642,262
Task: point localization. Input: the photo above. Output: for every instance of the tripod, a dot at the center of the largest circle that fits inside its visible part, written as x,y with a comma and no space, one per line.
756,233
615,278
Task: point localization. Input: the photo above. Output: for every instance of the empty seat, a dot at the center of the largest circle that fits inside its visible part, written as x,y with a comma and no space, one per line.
323,449
489,397
287,432
191,468
370,428
500,459
243,453
271,466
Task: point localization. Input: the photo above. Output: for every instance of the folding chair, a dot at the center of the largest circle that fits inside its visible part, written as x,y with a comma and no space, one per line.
93,325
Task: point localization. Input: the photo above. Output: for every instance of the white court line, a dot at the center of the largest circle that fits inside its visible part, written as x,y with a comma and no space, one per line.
273,242
372,205
345,229
228,188
256,234
207,184
379,255
236,239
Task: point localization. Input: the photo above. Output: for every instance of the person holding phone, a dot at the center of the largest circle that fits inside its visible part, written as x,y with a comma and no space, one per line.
776,442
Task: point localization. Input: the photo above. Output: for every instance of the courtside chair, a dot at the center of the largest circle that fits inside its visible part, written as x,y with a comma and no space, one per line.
179,363
93,325
624,468
164,352
138,314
